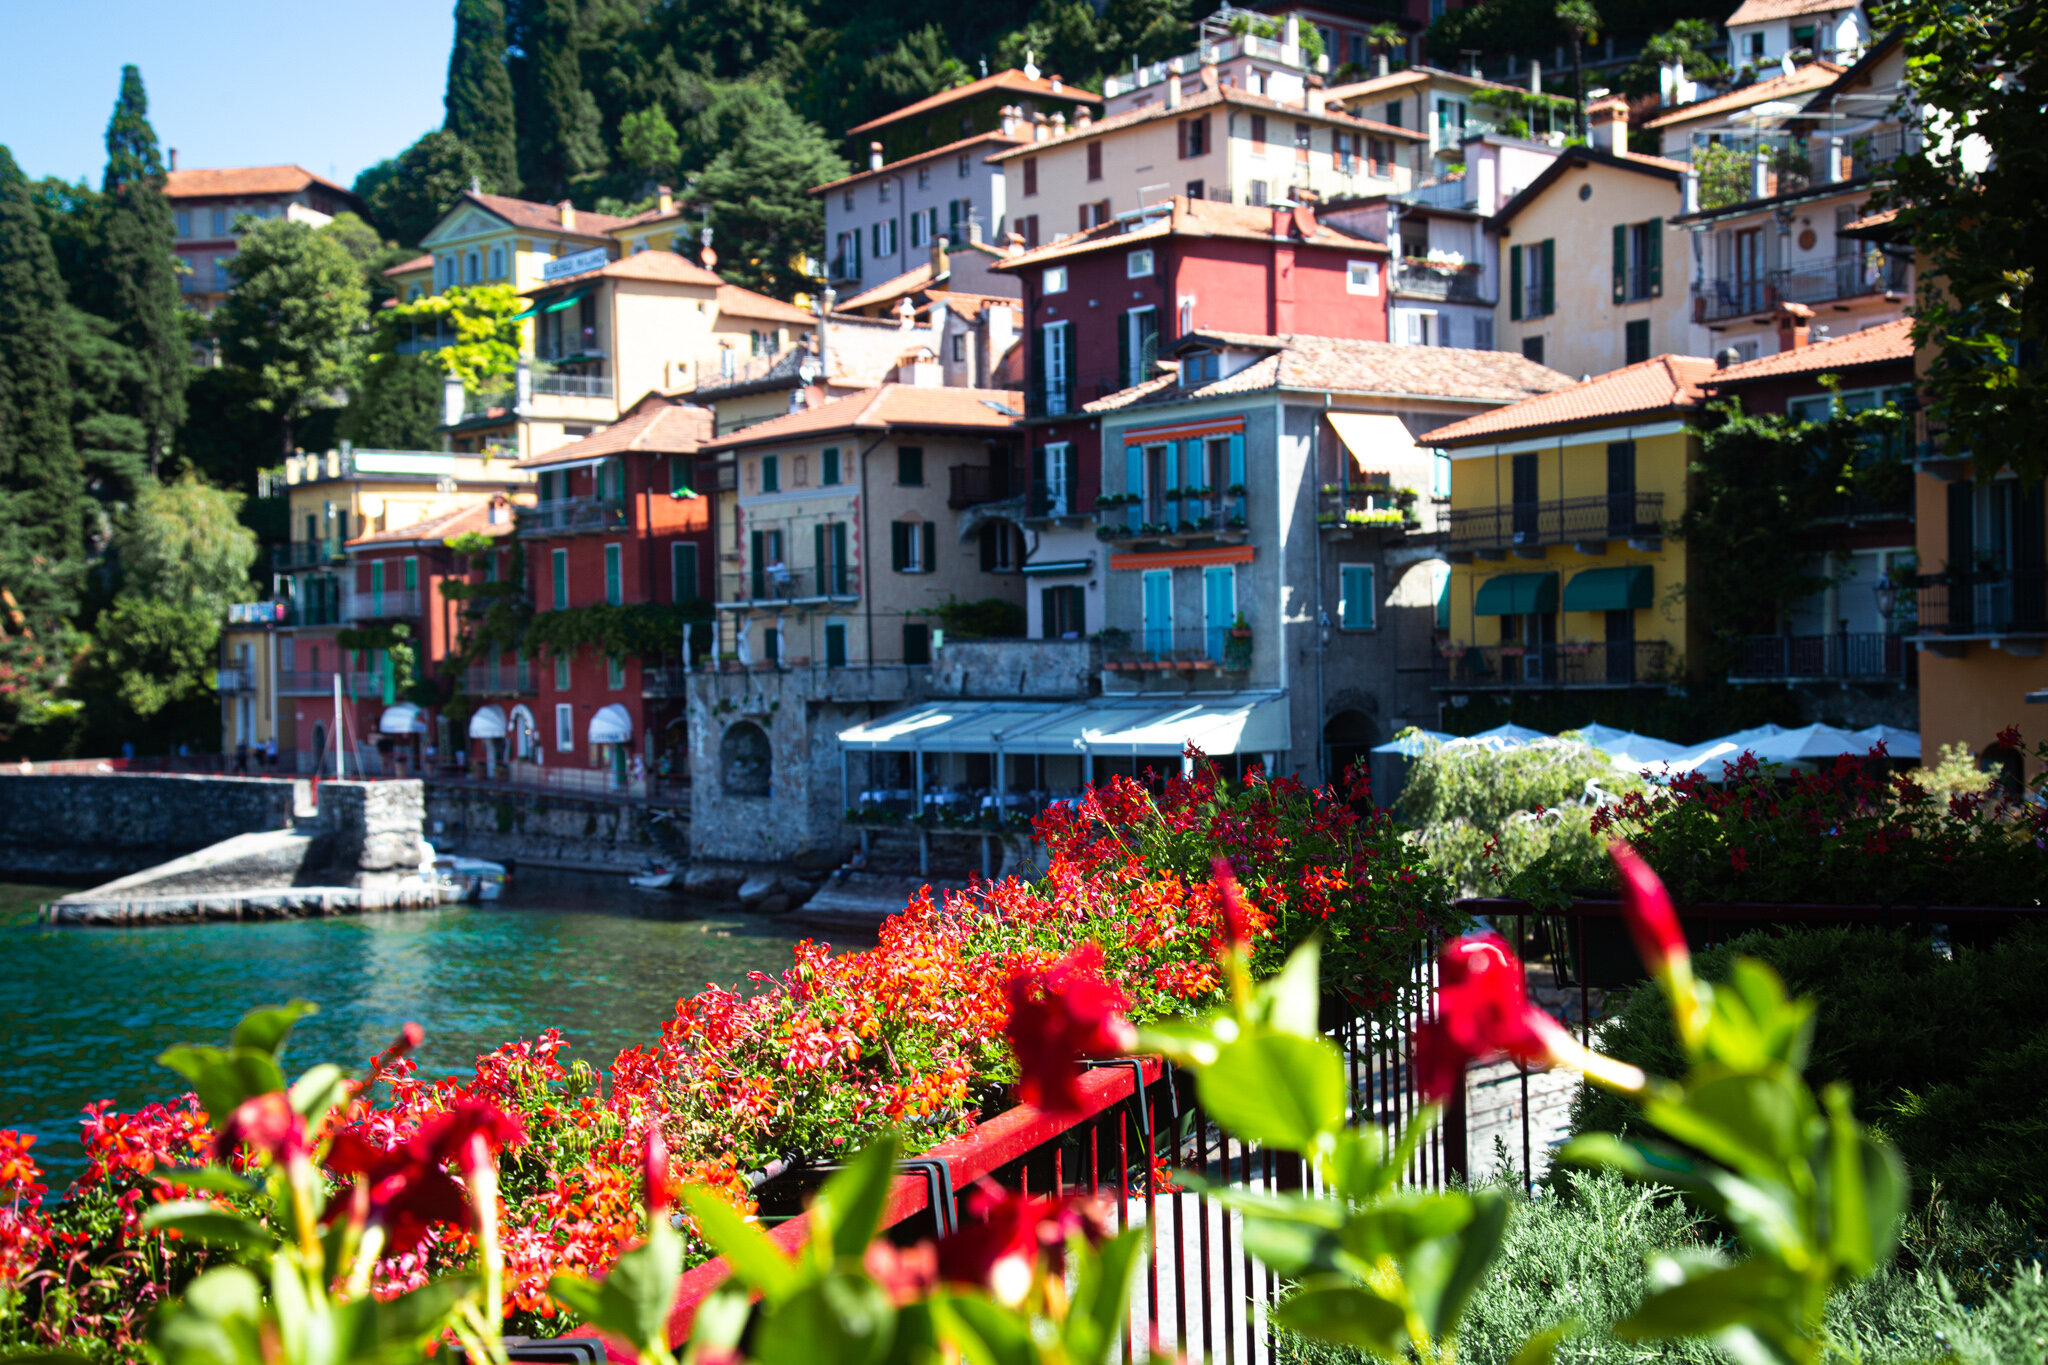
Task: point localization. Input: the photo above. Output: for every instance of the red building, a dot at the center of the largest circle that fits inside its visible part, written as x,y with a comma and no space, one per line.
619,523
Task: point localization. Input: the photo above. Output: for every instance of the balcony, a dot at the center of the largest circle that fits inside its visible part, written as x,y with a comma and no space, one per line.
256,613
499,679
775,585
573,385
303,554
1567,521
1369,509
312,611
1870,657
568,515
1052,502
228,681
1983,604
1172,520
1479,668
1455,193
1421,281
392,604
974,484
1820,280
320,683
1063,395
1159,653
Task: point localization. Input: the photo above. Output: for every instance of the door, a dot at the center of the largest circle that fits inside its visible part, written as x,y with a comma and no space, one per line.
1058,370
1159,612
1523,472
1621,489
1749,270
1621,647
1219,607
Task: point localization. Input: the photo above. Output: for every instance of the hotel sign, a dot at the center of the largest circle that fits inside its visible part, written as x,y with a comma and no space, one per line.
581,262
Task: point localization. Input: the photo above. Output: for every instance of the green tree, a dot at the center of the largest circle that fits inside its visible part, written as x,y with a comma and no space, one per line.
755,189
647,140
1966,199
561,136
1689,42
408,194
479,94
1581,22
372,254
293,319
479,341
395,404
136,284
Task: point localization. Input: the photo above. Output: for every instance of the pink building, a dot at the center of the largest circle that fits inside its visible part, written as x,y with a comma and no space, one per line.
206,203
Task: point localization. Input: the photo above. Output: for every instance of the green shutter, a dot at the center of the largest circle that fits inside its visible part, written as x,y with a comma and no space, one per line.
899,546
1123,352
1621,262
839,557
831,465
679,477
1549,276
682,558
835,645
928,562
1514,284
1656,258
614,578
1357,600
818,553
412,574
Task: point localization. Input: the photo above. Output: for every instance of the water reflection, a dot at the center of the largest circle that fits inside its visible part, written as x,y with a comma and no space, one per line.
90,1009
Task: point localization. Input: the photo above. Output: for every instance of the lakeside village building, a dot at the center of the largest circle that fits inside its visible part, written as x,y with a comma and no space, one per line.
1230,408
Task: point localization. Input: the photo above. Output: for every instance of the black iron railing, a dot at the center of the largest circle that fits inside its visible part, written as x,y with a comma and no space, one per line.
1842,657
1525,525
1984,602
1524,667
774,583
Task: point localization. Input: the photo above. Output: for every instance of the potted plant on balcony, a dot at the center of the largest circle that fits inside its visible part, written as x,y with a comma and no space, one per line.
1237,646
1235,490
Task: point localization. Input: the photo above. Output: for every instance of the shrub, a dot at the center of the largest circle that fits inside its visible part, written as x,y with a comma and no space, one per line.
1947,1055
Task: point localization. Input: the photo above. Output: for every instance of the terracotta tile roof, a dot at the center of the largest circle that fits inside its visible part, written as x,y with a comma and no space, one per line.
1661,384
1763,11
413,266
471,514
676,209
1663,167
996,136
1888,342
658,424
1011,79
545,218
1414,75
661,266
745,303
1812,76
1869,223
888,291
1186,217
231,180
1209,99
889,405
1348,366
970,305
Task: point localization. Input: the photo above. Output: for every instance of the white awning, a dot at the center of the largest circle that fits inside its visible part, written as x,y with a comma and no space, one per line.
1222,723
487,723
1379,443
611,725
402,719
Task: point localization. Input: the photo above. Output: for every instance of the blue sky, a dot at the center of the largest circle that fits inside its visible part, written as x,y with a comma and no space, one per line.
332,87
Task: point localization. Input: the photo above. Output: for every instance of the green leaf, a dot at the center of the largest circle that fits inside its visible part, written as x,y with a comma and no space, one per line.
757,1262
217,1178
224,1077
1358,1164
1866,1189
985,1331
208,1225
216,1321
400,1327
1473,1248
1292,1249
319,1090
1102,1292
1189,1042
265,1029
850,1205
842,1317
1276,1090
1541,1349
1348,1314
1291,1002
1754,1122
641,1287
1706,1300
722,1317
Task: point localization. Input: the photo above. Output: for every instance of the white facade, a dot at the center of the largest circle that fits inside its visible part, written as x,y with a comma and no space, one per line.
1837,35
881,223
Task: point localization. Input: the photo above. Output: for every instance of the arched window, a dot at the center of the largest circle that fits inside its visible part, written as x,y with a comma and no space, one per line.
475,269
497,263
745,765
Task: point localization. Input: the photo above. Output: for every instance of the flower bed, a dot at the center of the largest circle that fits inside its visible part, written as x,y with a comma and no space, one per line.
907,1036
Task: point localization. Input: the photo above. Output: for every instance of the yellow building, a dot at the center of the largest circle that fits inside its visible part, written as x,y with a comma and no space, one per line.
1562,575
1596,273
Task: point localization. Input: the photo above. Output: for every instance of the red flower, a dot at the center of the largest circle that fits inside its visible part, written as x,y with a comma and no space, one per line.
1059,1016
266,1123
1001,1250
905,1274
1237,927
1483,1013
1651,920
654,1170
405,1191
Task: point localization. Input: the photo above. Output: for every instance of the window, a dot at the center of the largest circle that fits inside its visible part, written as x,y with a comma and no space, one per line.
221,278
1055,368
184,221
1056,279
1301,143
681,477
959,348
1482,333
220,229
1055,478
828,466
1636,337
1194,189
1531,270
614,673
1756,46
771,473
1095,161
1201,367
917,644
1422,328
924,177
910,466
1362,277
882,191
846,201
835,644
828,552
1063,613
1257,197
1138,264
1092,214
562,678
1028,226
1532,349
1194,137
561,579
848,264
473,268
614,576
1137,346
963,174
1638,260
884,238
1258,134
1002,547
912,546
682,569
918,234
1030,175
1344,151
565,727
1355,600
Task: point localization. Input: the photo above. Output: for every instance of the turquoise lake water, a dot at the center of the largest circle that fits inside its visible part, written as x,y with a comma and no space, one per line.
86,1011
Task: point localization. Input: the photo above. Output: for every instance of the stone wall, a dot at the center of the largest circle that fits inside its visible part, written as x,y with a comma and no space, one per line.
93,828
1049,670
372,830
542,829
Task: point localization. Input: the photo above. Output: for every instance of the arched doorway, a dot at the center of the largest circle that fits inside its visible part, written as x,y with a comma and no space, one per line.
525,734
745,762
1347,739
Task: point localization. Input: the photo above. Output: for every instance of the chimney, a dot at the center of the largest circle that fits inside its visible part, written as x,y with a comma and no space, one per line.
1084,117
1535,76
1210,79
1056,85
1290,39
522,387
1281,218
1013,243
1038,126
1314,101
874,156
453,400
906,313
1059,123
1011,113
1380,64
174,158
1692,191
1173,89
938,259
1472,67
1760,174
665,199
1607,125
1795,325
566,211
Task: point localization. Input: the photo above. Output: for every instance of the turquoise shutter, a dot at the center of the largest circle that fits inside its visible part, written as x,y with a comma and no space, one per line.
1159,611
1134,485
377,587
1237,457
1219,606
1620,262
1514,284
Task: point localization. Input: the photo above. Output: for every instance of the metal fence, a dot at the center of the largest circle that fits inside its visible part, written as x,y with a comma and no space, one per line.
776,583
1984,602
384,604
1842,657
572,514
1605,664
1523,525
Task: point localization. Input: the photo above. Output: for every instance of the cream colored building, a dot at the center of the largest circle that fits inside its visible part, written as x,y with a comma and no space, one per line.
1446,107
1215,142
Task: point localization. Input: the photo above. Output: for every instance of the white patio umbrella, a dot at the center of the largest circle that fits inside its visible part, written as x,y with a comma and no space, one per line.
1708,758
1411,742
1810,743
1898,743
1502,737
1626,747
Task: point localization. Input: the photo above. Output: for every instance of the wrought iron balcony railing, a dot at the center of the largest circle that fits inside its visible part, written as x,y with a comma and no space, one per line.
572,514
1527,667
775,584
1527,525
1844,657
1984,602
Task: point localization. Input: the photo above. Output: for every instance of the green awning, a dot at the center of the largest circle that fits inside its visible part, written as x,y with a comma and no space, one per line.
521,317
1626,588
1516,594
1058,566
563,302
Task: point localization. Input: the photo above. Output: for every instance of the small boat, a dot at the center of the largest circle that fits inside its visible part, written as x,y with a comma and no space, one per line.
653,876
474,879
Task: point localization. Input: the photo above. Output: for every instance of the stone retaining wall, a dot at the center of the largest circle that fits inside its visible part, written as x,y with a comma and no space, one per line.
96,827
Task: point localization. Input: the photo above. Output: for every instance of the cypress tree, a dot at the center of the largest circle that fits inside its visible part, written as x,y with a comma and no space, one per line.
137,277
479,96
42,484
560,135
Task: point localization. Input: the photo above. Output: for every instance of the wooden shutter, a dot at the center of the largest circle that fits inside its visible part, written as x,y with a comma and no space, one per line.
839,557
1549,276
929,559
988,546
1514,284
899,546
1620,262
818,554
1123,351
1656,258
1071,459
1182,130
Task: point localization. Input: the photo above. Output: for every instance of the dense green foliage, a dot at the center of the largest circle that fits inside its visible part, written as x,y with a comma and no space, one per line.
294,319
407,194
479,93
1947,1054
137,272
